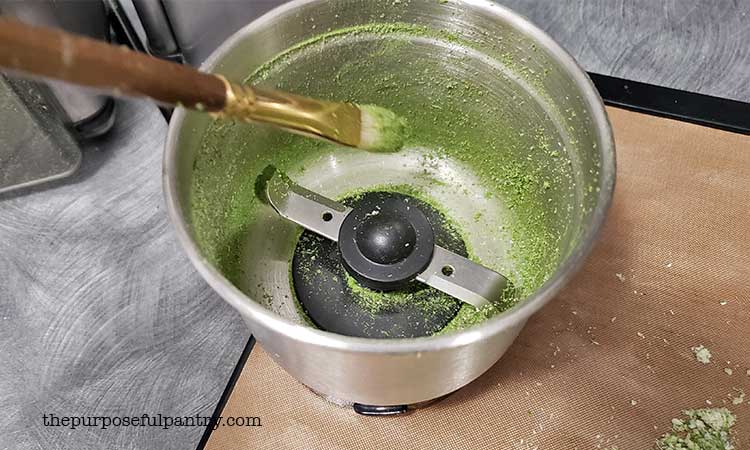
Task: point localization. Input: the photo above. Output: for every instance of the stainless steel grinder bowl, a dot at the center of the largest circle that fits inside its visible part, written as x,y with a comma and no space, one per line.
538,92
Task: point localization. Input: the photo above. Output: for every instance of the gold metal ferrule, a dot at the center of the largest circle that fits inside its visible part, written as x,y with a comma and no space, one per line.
337,122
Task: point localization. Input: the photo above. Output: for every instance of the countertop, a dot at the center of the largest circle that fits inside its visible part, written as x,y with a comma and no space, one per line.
100,310
693,45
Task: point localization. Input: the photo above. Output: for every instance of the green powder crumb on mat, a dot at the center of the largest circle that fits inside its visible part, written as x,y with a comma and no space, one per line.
702,354
739,398
701,429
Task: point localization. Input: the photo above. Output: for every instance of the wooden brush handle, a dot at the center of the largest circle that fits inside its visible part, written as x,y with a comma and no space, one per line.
63,56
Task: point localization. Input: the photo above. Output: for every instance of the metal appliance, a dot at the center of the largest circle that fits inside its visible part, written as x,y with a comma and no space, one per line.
362,371
60,114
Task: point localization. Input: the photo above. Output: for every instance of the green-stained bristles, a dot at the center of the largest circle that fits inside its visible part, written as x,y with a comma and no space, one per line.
382,130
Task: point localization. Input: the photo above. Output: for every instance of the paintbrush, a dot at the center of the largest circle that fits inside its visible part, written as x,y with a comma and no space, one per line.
55,54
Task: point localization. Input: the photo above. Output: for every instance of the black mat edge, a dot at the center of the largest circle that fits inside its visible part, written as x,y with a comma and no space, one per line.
228,389
713,112
705,110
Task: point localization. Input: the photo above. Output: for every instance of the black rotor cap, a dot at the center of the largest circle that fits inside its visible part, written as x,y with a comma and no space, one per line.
385,242
385,238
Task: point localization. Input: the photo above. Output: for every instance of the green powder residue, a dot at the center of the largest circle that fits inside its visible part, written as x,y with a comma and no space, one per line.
516,153
700,429
379,302
469,316
376,302
381,29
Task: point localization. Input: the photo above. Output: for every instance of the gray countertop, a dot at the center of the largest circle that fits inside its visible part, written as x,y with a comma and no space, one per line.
100,311
694,45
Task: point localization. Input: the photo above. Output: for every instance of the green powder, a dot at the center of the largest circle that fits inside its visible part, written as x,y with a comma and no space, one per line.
383,29
702,354
700,429
377,302
468,316
516,154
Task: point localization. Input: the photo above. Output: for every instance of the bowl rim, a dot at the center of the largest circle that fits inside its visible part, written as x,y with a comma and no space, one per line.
509,318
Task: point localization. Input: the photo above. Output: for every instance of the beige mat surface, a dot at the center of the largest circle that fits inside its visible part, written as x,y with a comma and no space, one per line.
608,362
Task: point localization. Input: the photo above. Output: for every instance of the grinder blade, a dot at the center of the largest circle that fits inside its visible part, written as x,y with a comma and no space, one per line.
304,207
448,272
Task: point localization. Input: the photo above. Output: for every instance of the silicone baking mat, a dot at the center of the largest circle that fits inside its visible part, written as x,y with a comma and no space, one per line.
608,363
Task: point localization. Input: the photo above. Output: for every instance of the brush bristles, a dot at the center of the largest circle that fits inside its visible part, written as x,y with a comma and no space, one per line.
382,130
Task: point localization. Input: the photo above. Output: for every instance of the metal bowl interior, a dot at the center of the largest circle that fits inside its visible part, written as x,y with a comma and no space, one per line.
513,144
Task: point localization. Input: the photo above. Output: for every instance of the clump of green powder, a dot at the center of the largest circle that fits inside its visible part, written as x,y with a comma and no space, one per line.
702,354
700,429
